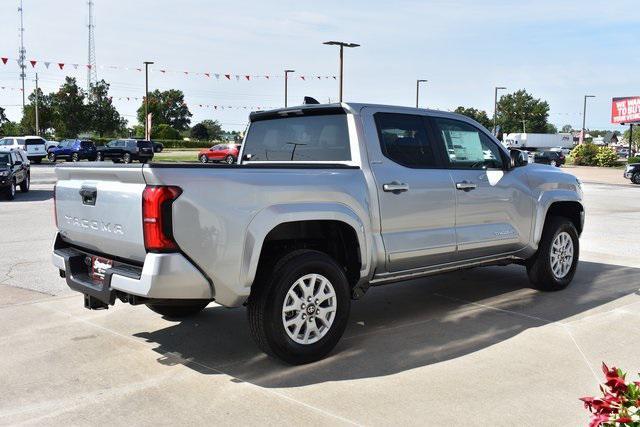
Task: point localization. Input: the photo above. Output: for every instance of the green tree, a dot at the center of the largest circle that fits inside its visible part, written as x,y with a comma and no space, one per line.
45,113
200,132
213,128
636,138
477,115
567,129
518,106
69,110
168,107
164,131
551,128
9,128
103,117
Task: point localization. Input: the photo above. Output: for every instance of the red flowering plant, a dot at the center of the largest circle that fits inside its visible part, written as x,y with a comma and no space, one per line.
619,404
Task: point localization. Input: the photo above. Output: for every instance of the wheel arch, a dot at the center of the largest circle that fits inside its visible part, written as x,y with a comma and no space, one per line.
559,205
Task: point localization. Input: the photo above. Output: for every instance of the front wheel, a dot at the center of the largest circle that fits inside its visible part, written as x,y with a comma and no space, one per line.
11,193
99,157
555,263
180,310
635,178
229,160
298,310
52,157
553,163
203,159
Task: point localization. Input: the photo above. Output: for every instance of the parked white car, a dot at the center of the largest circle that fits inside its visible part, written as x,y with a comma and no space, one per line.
35,146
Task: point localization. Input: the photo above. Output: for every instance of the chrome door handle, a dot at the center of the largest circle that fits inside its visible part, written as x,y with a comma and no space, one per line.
465,186
395,187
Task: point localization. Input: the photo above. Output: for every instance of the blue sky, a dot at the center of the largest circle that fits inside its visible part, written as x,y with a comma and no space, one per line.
557,50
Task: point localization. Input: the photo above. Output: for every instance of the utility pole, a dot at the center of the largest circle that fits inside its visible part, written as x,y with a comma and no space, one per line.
22,54
524,126
418,90
342,46
286,73
92,72
495,109
37,114
584,117
147,131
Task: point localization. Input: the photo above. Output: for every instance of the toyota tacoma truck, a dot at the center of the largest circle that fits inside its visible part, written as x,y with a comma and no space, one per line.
324,202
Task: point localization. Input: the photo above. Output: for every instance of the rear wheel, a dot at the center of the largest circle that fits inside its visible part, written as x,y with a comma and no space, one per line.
179,310
52,157
635,178
126,158
203,158
298,310
24,185
555,263
75,157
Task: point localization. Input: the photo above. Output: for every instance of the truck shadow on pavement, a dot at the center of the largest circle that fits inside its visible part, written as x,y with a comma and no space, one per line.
31,196
399,327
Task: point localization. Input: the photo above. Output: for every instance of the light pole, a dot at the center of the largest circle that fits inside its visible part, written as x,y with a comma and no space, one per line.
37,113
342,46
147,131
584,116
418,90
495,109
286,72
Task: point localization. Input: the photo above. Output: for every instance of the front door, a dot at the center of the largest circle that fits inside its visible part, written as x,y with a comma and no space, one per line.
493,206
415,193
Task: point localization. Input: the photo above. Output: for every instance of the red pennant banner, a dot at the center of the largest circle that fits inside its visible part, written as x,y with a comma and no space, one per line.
207,74
89,66
33,63
228,76
61,65
247,77
163,71
4,60
303,78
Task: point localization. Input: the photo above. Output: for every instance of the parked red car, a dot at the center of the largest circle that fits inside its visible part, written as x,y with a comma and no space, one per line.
227,153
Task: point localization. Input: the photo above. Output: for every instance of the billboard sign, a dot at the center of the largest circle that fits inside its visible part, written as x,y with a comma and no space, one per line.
625,110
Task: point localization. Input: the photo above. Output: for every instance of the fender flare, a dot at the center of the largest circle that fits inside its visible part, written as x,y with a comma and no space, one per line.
543,204
272,216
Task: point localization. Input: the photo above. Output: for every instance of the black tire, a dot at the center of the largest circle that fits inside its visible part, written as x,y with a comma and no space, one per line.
99,157
126,158
178,311
75,157
539,267
203,159
25,184
635,178
52,157
11,191
229,160
265,306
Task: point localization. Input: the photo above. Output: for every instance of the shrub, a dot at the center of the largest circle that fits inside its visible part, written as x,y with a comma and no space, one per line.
606,157
635,159
619,404
165,131
584,154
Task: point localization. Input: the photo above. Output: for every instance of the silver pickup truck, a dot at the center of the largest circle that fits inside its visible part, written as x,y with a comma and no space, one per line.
324,202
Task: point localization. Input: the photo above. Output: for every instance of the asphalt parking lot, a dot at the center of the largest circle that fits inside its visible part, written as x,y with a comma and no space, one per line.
469,348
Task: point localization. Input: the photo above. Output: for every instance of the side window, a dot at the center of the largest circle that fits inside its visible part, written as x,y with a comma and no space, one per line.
404,139
13,157
467,146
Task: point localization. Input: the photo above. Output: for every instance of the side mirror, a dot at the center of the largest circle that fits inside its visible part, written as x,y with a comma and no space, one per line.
518,158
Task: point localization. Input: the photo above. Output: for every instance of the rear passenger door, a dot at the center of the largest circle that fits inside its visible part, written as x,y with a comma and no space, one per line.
493,206
415,192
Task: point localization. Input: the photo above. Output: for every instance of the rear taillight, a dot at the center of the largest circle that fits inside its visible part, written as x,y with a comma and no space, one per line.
156,218
55,206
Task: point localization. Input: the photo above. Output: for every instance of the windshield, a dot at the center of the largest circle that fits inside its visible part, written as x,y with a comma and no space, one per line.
4,159
6,141
303,139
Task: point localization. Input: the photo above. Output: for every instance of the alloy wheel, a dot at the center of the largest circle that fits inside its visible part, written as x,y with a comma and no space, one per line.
561,255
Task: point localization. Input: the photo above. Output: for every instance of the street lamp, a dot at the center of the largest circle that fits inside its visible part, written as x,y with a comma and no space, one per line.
147,131
286,73
495,109
418,89
584,116
342,46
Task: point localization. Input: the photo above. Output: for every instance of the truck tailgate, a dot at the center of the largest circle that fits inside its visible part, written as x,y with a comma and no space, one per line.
99,207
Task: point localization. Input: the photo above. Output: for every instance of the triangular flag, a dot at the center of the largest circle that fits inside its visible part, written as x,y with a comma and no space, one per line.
215,107
319,77
186,72
61,65
75,66
237,77
217,76
247,77
303,78
4,60
89,66
46,64
138,69
266,77
127,98
163,71
334,77
33,63
228,76
207,74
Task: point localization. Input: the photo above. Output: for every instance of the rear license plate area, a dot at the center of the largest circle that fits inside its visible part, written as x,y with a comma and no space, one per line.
98,268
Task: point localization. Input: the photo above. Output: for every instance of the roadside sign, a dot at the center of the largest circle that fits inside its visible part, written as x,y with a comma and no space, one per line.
625,110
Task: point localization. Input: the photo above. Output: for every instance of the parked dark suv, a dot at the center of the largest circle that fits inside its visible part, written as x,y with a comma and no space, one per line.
632,172
126,150
553,158
14,172
74,150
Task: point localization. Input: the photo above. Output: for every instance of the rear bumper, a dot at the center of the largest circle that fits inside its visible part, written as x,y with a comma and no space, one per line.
162,276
